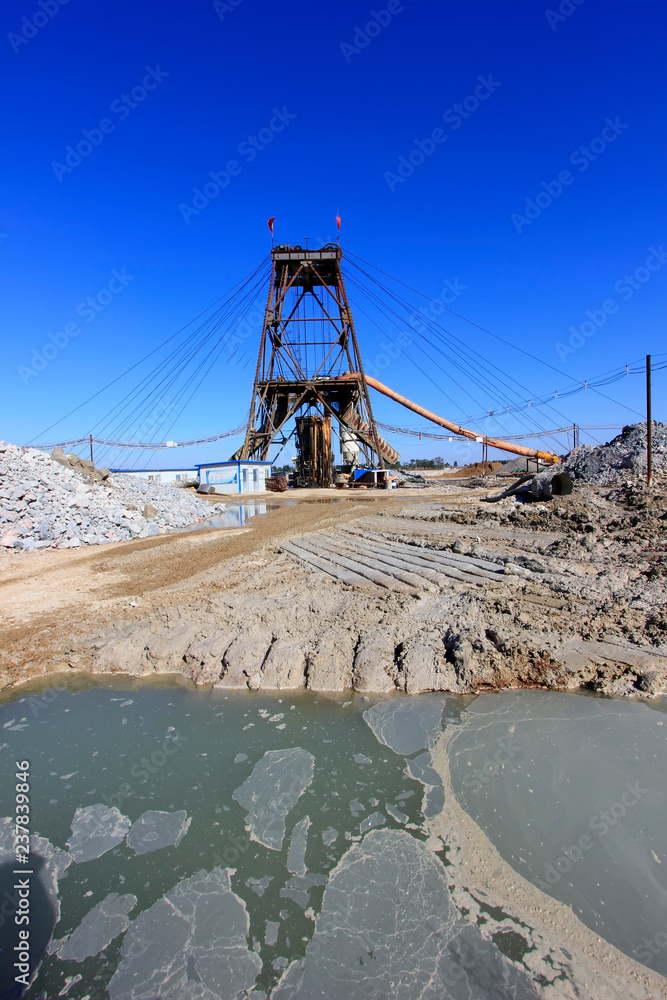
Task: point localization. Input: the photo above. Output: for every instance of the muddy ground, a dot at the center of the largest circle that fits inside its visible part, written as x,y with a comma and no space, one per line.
412,590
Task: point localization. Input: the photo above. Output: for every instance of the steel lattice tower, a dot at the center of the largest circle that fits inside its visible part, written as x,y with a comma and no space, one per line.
308,344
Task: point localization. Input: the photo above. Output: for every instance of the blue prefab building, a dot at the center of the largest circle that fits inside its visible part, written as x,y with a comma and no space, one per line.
235,477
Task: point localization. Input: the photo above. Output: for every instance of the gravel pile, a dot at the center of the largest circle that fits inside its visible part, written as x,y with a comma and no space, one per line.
410,479
622,459
47,503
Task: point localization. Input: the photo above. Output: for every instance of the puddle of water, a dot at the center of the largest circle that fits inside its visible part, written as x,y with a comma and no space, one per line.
572,791
299,825
168,752
237,516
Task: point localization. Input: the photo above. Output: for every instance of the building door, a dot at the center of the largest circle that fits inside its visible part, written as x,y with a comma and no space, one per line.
255,480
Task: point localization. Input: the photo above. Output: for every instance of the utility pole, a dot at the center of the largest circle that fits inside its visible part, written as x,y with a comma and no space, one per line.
91,449
649,425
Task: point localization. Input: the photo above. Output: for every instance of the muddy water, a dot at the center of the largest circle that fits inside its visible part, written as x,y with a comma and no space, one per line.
571,789
210,845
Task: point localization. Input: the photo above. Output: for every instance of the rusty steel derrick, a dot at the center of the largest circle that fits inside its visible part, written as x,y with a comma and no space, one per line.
309,367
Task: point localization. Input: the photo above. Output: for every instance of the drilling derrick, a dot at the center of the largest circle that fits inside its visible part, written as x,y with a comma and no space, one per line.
309,368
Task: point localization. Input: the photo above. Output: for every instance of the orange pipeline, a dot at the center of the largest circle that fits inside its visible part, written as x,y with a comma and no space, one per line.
516,449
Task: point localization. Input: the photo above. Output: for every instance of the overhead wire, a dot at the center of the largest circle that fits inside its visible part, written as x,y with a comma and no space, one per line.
461,349
480,380
162,379
127,371
483,329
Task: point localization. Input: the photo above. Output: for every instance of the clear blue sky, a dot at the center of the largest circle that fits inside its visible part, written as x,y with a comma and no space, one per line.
342,104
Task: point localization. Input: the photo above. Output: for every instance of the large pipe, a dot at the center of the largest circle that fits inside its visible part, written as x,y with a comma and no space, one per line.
516,449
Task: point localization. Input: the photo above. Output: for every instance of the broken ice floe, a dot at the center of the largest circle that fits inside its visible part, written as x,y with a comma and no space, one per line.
271,791
361,758
396,814
387,928
298,888
375,819
271,935
329,836
421,769
97,929
95,830
296,856
155,829
259,885
407,725
191,945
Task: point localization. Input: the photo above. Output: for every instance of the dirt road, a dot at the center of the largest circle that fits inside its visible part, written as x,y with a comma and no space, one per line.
410,590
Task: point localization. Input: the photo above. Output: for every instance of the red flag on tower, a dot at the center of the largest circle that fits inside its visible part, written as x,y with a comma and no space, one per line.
338,221
271,221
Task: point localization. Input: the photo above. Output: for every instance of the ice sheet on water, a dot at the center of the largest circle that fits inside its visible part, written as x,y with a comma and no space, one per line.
97,929
271,791
191,945
155,829
361,758
95,830
407,725
296,856
388,928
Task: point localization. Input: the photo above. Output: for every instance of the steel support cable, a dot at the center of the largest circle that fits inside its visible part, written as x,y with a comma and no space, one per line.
143,445
435,328
542,433
170,378
486,384
484,330
354,284
213,354
202,333
381,306
448,374
545,401
480,385
360,309
438,329
137,363
210,320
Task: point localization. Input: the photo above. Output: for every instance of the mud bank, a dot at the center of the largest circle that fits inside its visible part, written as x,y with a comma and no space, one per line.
439,592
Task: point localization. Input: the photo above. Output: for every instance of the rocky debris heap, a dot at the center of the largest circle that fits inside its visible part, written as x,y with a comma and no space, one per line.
63,502
622,459
410,479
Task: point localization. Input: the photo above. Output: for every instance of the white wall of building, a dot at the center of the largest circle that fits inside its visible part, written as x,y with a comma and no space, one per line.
236,477
161,475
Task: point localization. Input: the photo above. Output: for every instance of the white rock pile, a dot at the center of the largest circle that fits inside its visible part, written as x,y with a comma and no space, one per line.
622,459
47,503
